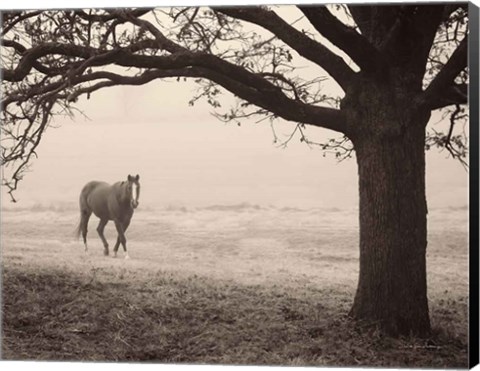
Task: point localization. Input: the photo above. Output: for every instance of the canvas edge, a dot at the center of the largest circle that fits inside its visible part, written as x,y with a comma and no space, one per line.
473,14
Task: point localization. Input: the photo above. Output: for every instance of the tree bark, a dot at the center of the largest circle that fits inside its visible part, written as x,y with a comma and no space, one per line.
392,287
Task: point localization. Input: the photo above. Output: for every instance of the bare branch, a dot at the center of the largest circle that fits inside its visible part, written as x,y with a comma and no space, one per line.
21,17
455,144
238,80
27,146
112,15
363,53
446,77
453,95
305,46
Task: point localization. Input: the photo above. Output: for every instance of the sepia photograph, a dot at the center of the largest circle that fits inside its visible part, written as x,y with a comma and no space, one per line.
228,184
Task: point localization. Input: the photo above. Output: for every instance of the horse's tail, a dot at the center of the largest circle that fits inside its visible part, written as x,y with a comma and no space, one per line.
83,207
78,230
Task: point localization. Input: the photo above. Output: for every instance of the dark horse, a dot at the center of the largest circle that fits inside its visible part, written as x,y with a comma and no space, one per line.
109,202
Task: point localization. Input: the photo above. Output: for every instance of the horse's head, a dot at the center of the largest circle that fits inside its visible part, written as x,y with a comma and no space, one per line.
133,190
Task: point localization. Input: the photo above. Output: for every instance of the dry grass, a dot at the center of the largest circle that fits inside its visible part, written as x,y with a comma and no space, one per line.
209,289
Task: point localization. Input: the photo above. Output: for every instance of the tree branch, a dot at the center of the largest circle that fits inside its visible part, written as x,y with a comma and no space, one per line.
363,53
32,140
280,105
368,18
446,77
247,85
162,41
334,65
31,56
453,95
108,17
21,17
409,41
20,49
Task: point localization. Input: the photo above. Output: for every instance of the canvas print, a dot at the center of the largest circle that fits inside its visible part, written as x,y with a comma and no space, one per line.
237,185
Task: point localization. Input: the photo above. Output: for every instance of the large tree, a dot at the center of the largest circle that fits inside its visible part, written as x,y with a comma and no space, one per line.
388,67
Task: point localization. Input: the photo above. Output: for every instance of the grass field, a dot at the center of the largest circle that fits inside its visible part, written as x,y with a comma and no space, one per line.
219,285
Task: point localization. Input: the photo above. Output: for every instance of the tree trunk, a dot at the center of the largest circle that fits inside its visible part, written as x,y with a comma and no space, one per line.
392,287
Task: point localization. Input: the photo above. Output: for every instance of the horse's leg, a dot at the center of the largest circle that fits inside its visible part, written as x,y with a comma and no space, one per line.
100,229
125,225
85,216
121,237
115,248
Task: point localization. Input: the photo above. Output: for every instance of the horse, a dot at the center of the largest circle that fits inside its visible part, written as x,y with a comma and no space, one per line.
109,202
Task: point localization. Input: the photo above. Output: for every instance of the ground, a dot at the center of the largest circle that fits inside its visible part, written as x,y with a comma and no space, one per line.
230,285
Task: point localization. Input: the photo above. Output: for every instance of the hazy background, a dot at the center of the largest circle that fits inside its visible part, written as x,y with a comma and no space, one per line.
187,158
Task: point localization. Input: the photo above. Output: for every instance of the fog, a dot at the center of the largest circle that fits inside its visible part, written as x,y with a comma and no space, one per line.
187,158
